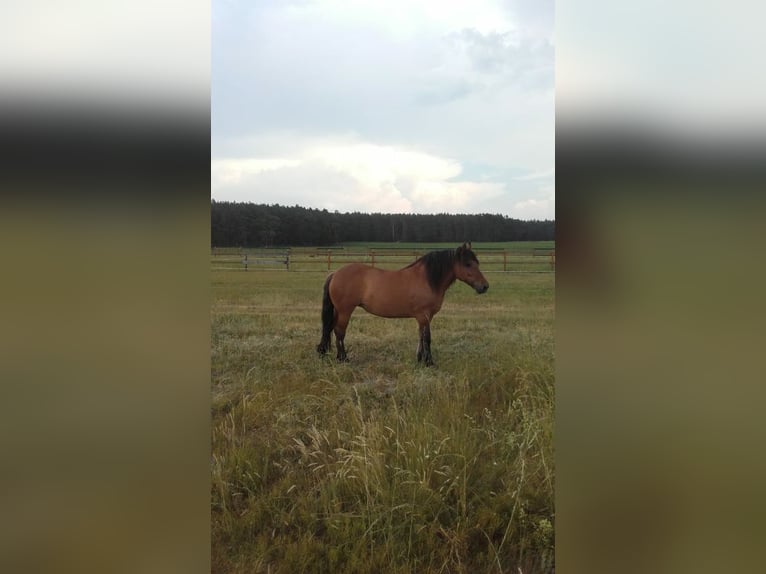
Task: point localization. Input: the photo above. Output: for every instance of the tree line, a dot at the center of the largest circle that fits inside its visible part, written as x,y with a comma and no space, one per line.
234,224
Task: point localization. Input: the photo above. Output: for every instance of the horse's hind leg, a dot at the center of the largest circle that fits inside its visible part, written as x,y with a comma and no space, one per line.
340,334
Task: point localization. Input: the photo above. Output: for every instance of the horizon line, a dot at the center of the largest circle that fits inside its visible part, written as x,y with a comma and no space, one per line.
324,209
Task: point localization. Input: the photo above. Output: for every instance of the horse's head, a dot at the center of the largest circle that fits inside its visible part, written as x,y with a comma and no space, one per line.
467,268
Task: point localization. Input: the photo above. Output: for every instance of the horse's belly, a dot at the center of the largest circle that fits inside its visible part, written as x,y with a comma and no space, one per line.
389,311
404,305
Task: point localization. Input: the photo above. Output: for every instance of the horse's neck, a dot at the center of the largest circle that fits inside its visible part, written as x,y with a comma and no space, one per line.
447,281
420,268
450,279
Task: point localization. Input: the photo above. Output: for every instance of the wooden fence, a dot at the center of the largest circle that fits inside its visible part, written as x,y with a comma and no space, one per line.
271,259
520,260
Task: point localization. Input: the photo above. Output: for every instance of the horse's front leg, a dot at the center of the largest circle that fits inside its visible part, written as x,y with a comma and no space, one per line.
424,344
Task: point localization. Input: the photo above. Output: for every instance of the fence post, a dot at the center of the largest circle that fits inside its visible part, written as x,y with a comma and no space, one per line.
553,260
328,259
287,259
505,260
245,261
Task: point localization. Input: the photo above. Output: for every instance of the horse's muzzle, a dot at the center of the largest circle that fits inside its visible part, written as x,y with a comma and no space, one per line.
481,289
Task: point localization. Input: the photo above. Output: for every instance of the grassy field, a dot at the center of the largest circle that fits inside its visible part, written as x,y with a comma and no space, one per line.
511,246
507,245
380,464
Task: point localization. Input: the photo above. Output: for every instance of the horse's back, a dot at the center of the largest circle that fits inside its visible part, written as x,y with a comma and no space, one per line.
353,273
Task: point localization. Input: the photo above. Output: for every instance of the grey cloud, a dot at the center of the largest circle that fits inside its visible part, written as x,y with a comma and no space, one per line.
471,63
523,61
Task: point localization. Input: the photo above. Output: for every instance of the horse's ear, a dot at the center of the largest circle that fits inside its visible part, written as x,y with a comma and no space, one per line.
467,245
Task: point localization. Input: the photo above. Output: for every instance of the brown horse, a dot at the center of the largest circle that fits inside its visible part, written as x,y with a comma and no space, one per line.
414,291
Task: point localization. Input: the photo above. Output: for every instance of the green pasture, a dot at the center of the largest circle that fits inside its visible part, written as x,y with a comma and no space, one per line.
381,464
516,246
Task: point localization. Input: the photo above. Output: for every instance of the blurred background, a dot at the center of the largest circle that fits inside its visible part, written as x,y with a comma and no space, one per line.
660,165
104,236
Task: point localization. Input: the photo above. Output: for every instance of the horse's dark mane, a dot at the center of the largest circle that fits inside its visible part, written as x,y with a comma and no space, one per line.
439,263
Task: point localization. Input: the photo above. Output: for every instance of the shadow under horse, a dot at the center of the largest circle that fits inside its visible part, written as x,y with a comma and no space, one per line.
414,291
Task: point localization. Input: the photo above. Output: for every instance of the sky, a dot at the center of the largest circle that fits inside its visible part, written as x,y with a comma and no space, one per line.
394,106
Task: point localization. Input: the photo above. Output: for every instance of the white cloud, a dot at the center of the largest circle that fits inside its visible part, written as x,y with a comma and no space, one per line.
543,207
351,176
455,197
228,171
371,164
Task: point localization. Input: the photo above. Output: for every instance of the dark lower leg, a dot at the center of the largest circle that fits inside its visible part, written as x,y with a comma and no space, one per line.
324,344
427,346
340,336
424,346
339,342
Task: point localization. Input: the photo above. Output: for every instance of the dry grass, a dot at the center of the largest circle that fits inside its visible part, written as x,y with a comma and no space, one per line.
382,465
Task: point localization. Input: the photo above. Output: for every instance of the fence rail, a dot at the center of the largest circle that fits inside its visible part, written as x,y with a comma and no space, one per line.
533,260
276,258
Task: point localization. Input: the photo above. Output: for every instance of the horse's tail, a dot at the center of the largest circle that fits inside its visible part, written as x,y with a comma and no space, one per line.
328,309
328,317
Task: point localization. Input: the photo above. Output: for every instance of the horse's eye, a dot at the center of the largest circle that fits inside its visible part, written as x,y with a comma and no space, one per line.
468,264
